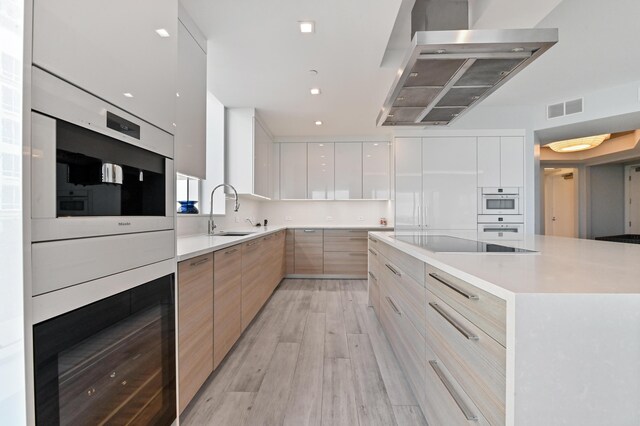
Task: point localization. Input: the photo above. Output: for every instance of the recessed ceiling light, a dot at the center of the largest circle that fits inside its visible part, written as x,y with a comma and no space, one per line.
323,164
177,94
518,49
400,98
376,144
306,27
441,51
319,123
413,74
390,115
162,32
315,91
128,95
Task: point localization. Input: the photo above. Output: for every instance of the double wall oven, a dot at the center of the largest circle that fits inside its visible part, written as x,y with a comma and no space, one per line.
501,215
103,261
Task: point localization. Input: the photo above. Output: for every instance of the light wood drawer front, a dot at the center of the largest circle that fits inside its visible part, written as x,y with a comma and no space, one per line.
373,261
407,293
477,362
308,251
410,265
309,237
374,294
251,278
195,324
289,252
348,243
407,343
345,263
485,310
346,233
227,301
440,406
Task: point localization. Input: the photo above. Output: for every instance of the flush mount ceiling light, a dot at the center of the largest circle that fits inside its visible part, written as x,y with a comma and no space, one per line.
162,32
128,95
579,144
306,27
315,91
319,123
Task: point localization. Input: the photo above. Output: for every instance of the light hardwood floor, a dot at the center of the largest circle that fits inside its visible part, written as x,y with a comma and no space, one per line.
315,355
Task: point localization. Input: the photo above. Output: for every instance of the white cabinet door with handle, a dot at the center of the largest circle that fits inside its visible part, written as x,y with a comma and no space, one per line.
375,170
348,171
320,183
408,169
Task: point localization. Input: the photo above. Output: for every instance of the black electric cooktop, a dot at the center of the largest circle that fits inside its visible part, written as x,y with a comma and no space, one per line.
446,244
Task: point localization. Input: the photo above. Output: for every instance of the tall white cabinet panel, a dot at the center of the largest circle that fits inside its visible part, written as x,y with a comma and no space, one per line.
275,172
348,171
190,136
320,180
408,192
449,183
375,170
489,162
262,161
112,49
293,171
512,161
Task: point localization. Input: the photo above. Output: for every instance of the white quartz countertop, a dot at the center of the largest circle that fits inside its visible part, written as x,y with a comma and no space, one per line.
195,245
561,266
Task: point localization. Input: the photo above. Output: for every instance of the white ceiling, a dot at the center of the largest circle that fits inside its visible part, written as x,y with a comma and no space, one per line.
598,48
258,58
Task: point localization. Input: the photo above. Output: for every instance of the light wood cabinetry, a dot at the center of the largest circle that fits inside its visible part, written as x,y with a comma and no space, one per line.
501,161
112,51
373,276
227,301
290,252
195,325
308,251
345,252
190,136
252,293
250,153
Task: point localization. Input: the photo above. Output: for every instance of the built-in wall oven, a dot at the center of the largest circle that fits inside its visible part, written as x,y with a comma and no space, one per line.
500,201
102,187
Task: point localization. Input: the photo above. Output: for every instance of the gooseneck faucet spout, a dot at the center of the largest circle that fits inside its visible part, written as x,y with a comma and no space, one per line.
211,226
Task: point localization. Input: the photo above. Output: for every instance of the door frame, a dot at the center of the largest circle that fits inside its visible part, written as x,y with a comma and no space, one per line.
627,193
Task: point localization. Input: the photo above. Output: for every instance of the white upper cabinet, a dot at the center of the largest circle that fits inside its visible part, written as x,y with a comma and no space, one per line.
113,51
512,161
348,171
449,183
408,171
275,172
375,170
249,152
293,171
501,161
190,136
320,174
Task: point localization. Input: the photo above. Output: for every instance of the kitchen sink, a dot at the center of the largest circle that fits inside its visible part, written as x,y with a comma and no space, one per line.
234,233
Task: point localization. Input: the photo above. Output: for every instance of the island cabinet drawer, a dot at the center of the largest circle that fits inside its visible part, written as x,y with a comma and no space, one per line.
409,296
445,401
409,264
345,240
475,360
345,263
484,310
407,343
373,262
374,293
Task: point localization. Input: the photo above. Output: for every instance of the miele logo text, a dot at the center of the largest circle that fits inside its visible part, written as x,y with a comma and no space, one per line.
124,223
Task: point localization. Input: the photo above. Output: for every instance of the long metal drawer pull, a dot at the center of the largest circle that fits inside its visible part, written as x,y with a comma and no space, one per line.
309,230
466,411
466,333
230,251
453,287
392,269
252,244
357,238
373,252
515,230
393,305
200,262
372,276
357,254
266,238
373,240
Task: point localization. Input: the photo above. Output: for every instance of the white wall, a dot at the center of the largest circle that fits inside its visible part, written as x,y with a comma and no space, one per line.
12,322
327,213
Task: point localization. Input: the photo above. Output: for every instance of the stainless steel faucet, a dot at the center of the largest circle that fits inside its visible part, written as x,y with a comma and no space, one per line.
211,225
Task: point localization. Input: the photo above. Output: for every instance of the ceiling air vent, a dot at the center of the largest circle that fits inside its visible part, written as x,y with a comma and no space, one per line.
565,108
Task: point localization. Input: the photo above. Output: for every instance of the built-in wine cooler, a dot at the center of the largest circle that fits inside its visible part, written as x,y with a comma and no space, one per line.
110,362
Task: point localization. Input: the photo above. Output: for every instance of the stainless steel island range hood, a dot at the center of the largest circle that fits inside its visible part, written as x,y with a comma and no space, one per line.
446,73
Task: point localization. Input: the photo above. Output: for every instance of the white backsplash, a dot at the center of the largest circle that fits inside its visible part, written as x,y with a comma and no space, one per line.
292,213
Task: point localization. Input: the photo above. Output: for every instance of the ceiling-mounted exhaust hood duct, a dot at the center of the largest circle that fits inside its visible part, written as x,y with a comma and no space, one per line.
447,72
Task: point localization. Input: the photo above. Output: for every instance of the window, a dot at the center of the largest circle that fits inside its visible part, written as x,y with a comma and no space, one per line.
10,165
187,189
10,197
10,67
10,131
10,99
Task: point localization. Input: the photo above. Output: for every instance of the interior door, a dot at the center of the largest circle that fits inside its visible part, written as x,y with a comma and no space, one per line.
633,194
560,205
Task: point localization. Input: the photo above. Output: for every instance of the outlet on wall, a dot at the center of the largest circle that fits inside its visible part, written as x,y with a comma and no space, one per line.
361,218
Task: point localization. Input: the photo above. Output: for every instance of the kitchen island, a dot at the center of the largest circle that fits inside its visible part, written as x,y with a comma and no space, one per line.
544,337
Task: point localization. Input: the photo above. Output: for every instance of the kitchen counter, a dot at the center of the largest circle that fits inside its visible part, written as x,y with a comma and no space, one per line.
195,245
560,266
